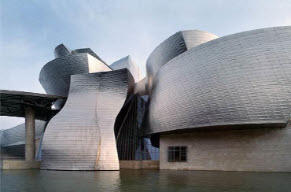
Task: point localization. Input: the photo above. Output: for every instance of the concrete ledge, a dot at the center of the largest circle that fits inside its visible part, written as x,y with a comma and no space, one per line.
146,164
20,164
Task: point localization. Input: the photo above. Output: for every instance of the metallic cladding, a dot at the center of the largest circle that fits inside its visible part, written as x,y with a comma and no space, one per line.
13,140
238,79
128,63
55,75
172,47
81,136
16,135
61,51
140,87
89,51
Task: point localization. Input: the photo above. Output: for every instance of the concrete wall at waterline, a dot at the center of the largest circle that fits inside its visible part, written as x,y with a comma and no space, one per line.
260,149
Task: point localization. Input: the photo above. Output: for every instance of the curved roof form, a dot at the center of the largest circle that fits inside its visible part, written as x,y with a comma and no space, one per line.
89,51
55,75
172,47
61,51
128,63
239,79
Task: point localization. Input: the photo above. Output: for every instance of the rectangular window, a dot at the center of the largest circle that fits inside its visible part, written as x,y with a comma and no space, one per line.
177,153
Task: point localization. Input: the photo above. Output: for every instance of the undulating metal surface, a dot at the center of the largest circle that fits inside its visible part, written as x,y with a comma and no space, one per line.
89,51
1,153
172,47
81,136
140,87
55,75
16,135
238,79
1,137
13,139
16,152
128,63
61,51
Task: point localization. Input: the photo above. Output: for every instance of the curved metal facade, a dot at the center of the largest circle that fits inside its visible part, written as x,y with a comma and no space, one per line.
172,47
89,51
233,80
16,135
128,63
81,136
55,75
13,139
61,51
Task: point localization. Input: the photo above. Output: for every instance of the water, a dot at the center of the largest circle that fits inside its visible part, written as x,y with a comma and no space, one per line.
142,180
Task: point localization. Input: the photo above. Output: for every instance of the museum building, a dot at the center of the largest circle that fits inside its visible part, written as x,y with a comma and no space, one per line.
206,103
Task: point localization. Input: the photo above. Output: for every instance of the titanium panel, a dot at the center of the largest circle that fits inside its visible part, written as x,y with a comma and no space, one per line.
16,135
55,75
81,136
13,140
238,79
140,87
87,50
129,64
172,47
61,51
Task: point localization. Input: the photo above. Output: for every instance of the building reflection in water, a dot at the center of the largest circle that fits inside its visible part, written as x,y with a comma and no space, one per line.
142,180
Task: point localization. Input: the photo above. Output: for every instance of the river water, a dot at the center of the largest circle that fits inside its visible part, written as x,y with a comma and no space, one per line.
142,180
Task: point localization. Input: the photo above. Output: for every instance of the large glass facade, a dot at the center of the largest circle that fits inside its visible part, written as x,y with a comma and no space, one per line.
129,131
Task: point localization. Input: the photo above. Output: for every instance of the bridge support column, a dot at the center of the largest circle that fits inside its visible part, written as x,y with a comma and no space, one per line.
29,134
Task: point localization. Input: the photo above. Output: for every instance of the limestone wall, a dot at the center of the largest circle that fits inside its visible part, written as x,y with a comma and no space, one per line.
260,149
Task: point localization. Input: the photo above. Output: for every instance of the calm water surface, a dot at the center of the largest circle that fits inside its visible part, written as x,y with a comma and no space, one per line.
142,180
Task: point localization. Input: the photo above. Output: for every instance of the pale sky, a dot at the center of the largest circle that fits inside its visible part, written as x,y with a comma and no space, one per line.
31,29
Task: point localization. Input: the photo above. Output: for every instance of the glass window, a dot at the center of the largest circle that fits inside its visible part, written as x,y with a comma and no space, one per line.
177,153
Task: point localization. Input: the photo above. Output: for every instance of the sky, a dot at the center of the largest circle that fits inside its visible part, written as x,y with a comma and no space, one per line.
30,30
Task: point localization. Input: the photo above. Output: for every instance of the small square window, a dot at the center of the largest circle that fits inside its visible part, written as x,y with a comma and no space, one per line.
177,153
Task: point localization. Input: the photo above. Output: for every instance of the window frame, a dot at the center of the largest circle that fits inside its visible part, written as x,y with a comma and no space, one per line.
177,153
